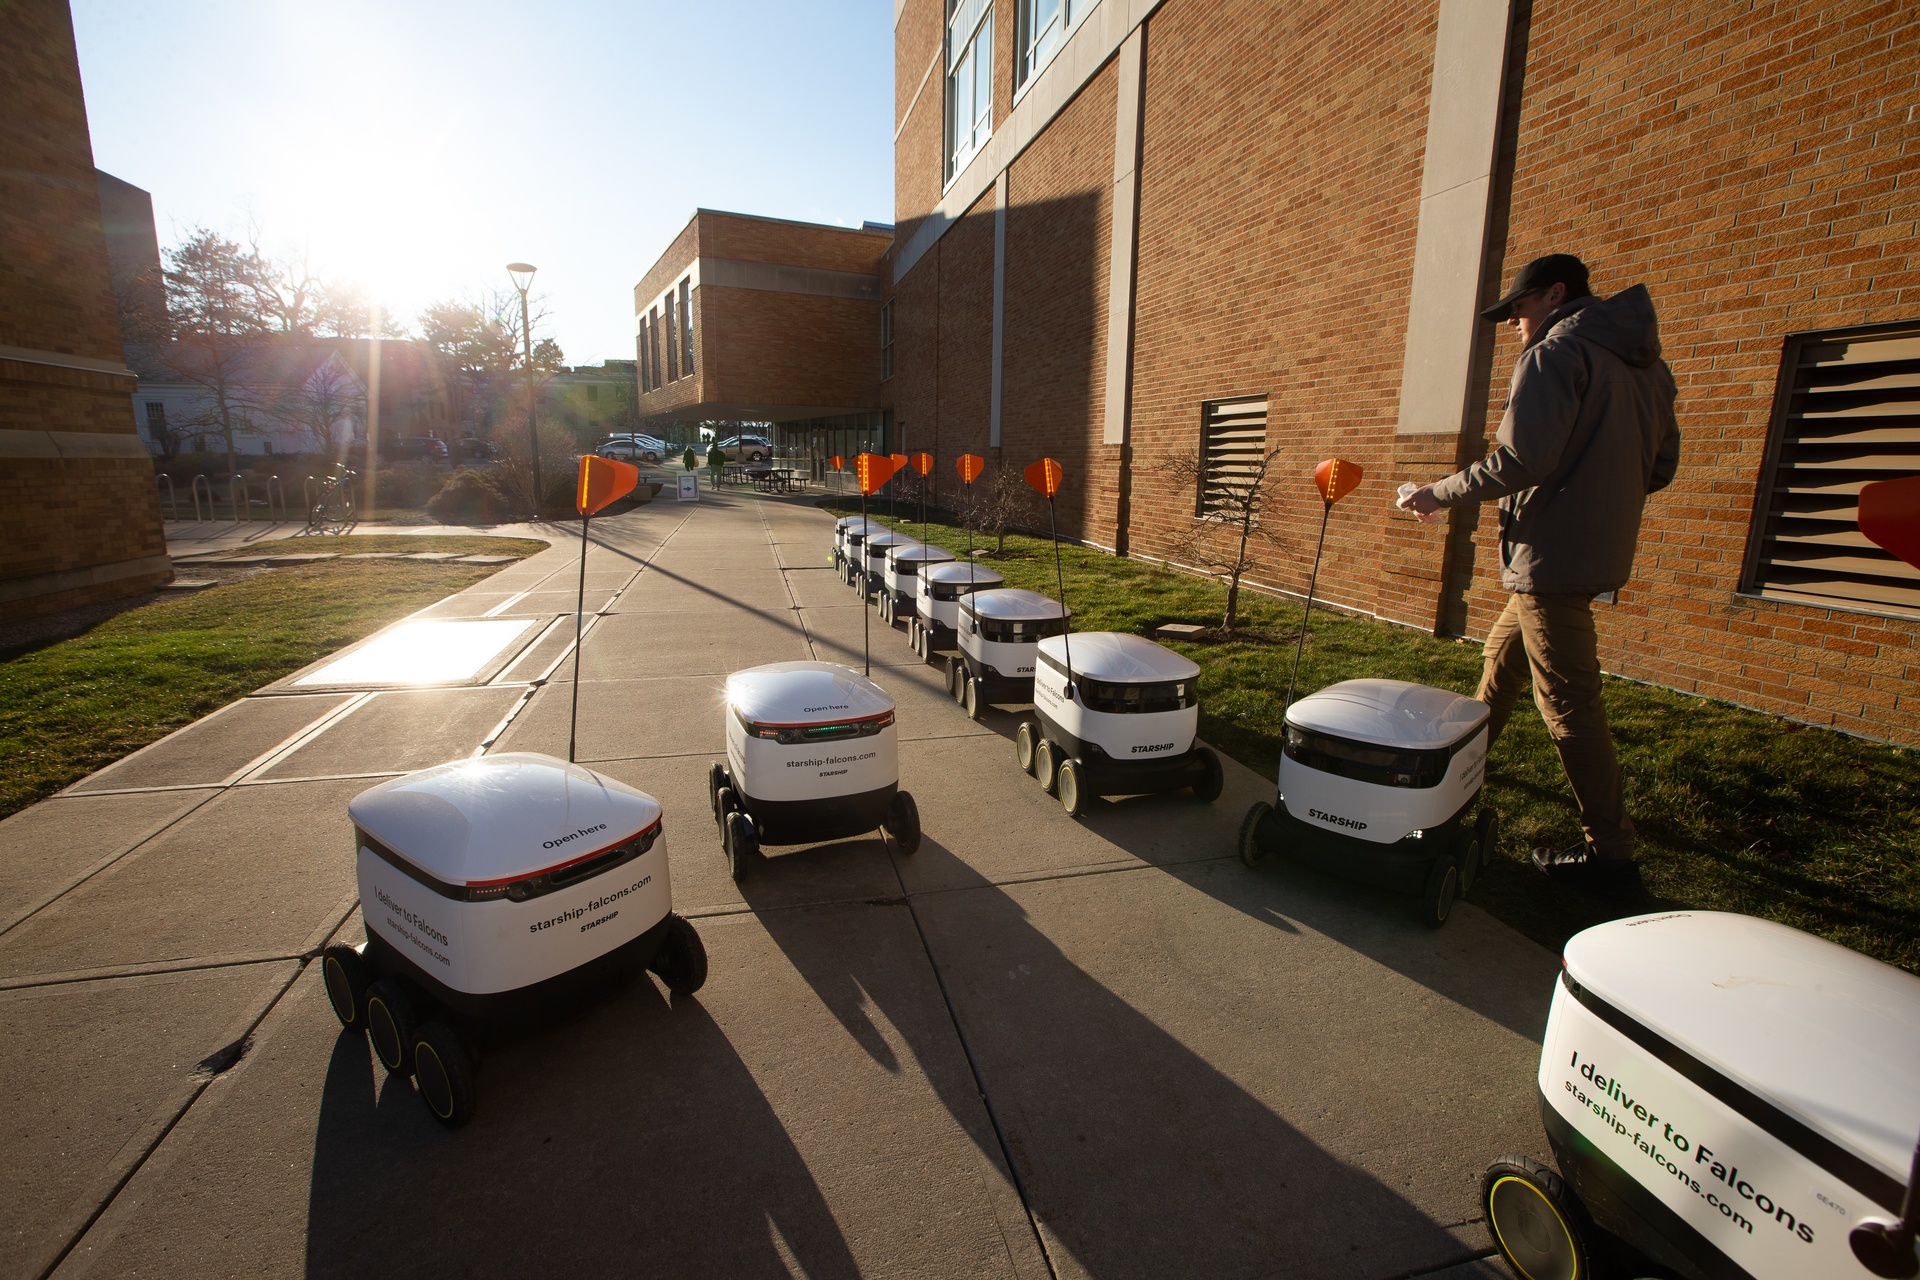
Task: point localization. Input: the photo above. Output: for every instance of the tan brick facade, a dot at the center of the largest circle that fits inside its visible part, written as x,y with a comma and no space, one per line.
79,520
1761,176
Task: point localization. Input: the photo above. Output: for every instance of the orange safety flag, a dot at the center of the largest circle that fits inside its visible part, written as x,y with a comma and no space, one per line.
603,480
899,461
839,463
1044,476
1336,478
923,462
1890,516
970,466
873,471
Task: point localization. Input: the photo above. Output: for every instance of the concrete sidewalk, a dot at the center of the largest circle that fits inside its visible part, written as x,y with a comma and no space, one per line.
1038,1047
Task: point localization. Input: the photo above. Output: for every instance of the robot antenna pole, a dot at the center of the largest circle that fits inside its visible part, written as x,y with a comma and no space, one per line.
1311,582
866,641
580,607
1066,637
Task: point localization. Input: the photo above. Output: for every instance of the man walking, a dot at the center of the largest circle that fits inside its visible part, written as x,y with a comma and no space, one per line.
1589,431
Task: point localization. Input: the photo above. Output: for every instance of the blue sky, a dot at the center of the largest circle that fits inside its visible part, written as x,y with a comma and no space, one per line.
417,148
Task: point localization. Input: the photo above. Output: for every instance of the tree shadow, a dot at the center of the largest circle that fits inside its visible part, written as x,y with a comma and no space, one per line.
630,1140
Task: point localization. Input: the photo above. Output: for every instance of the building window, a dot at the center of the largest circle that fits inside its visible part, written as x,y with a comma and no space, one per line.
886,339
156,420
1233,440
1846,412
646,365
1040,28
686,325
653,343
969,80
593,395
673,338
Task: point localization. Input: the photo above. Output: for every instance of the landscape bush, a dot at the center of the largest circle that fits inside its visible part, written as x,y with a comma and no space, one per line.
469,497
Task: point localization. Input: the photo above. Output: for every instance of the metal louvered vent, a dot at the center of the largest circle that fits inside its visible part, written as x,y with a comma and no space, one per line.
1233,438
1847,413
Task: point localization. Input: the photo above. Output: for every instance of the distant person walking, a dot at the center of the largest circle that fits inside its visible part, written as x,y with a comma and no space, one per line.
1589,431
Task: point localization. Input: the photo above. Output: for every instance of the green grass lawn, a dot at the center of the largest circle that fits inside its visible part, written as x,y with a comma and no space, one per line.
76,705
347,544
1737,811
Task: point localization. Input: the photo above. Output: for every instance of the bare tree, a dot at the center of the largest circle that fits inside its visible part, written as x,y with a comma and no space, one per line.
1001,503
1232,501
325,406
211,330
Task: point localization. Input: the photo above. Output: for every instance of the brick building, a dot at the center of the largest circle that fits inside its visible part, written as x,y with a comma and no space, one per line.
79,519
1130,229
762,320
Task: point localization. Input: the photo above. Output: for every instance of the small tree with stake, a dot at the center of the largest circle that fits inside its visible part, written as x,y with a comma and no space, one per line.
1005,502
1228,522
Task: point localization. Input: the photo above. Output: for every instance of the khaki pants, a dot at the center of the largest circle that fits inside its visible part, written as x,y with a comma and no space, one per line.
1550,640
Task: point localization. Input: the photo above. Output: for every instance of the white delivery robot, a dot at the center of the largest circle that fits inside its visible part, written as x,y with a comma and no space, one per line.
843,529
904,564
1376,780
999,633
849,547
812,755
1728,1096
936,606
496,891
1122,723
880,542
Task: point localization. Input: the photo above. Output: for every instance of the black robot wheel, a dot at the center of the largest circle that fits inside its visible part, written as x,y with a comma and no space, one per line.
1442,891
1025,736
970,698
1538,1225
903,823
1488,825
390,1025
1470,853
444,1073
724,803
1252,852
956,671
347,980
741,843
1071,786
681,962
716,779
1214,780
1046,761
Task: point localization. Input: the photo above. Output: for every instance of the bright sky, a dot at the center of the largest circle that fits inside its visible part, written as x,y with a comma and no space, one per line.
417,148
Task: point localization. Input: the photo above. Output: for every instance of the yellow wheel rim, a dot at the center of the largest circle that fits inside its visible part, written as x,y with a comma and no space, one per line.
1534,1232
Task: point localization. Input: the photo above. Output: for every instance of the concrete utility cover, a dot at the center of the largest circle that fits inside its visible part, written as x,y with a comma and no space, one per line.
421,653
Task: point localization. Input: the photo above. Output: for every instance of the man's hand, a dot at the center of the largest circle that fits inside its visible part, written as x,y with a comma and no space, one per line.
1421,501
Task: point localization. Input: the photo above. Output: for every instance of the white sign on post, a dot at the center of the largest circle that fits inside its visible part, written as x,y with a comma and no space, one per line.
689,487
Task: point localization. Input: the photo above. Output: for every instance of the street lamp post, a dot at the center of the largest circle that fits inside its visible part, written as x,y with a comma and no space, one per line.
522,274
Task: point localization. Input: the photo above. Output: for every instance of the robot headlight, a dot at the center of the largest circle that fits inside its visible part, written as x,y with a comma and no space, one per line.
1138,699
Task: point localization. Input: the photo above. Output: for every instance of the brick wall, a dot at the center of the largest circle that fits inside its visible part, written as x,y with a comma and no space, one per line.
65,522
1761,175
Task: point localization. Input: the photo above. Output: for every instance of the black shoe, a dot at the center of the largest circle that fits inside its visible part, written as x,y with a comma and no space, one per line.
1616,878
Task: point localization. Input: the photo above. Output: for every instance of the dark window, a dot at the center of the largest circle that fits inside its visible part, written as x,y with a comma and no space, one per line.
1365,762
646,365
1846,412
156,418
673,339
1022,631
1136,699
593,395
1233,439
653,339
886,339
686,325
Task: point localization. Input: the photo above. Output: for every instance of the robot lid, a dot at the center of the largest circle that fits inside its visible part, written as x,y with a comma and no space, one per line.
879,538
1825,1034
1389,713
799,694
1013,604
1117,658
919,553
501,817
958,572
845,523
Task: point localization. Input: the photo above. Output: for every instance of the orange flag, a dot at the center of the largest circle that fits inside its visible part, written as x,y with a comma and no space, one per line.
923,463
873,471
1890,516
970,466
1336,478
1045,476
604,480
839,463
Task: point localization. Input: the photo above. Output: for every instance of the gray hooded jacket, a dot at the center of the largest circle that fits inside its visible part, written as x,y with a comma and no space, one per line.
1589,431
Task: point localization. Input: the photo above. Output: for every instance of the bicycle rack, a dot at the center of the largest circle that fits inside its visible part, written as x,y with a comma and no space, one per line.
238,504
195,486
275,487
306,495
173,502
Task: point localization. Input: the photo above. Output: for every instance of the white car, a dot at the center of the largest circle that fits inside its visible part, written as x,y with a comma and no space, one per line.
633,448
743,448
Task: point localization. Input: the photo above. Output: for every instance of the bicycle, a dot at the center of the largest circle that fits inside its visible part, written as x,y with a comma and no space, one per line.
334,511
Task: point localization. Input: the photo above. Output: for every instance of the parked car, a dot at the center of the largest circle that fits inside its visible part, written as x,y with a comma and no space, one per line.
414,449
472,450
633,448
743,448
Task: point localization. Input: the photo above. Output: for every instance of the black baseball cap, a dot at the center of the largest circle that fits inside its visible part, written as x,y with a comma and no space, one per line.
1541,273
